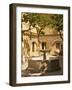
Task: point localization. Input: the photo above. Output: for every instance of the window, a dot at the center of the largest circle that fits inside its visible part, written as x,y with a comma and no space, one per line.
43,45
33,46
58,45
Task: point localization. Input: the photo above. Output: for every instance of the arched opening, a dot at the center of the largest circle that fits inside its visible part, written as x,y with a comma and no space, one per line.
43,45
33,46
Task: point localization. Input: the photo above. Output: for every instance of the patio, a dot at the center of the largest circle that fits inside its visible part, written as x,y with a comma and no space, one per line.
52,64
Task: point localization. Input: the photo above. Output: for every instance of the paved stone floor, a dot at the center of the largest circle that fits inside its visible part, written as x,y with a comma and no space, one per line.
50,73
54,68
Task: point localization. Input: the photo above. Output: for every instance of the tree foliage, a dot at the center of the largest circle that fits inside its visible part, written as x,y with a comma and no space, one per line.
41,20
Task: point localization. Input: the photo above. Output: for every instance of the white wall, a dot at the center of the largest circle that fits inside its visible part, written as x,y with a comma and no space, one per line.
4,45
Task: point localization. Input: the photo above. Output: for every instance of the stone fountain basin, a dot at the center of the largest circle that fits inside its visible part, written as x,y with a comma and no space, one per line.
48,57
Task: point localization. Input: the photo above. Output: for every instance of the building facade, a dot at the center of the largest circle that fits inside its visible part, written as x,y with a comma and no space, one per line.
50,42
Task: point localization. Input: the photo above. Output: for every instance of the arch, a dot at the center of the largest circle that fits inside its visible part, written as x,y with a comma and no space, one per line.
57,41
33,46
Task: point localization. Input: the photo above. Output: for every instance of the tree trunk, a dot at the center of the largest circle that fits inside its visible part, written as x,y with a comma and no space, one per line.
38,45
